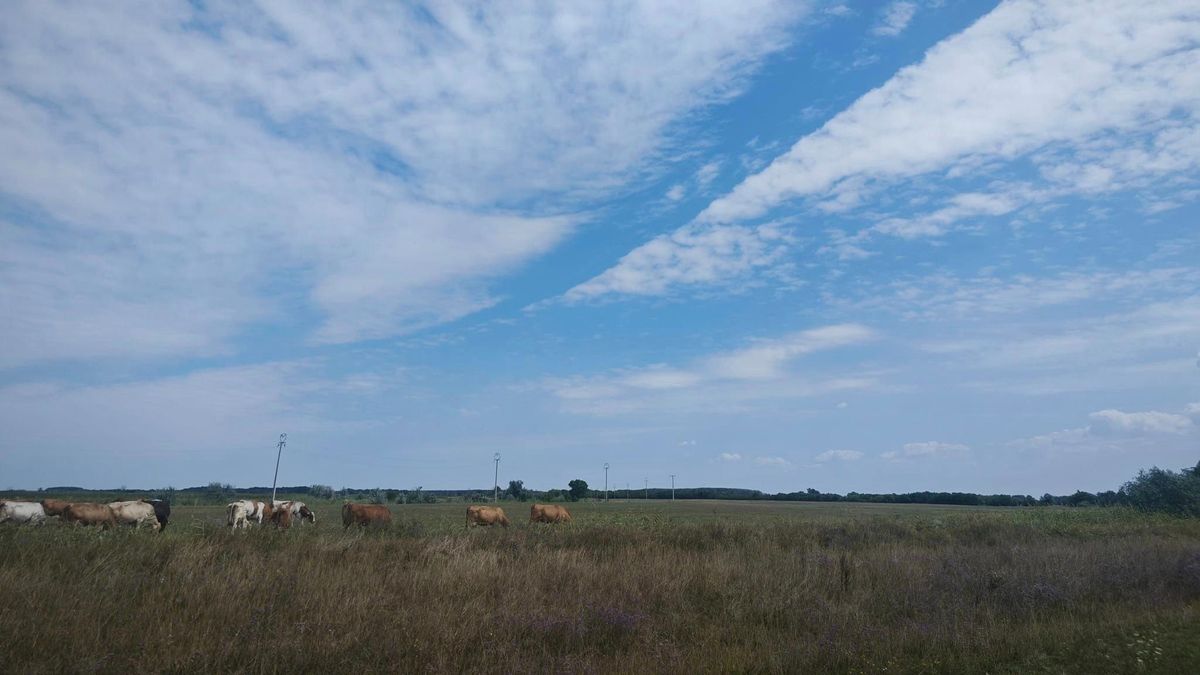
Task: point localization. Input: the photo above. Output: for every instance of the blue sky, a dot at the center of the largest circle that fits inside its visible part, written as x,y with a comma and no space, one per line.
926,245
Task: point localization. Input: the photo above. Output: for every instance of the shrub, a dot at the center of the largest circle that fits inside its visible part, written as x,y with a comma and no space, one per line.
1164,490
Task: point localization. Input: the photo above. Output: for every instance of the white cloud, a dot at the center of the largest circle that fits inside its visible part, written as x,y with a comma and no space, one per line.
1144,347
676,193
1117,431
895,18
773,461
389,162
926,449
767,359
1192,409
707,173
1149,422
961,206
945,296
1026,75
686,257
657,377
838,455
720,381
1067,84
730,456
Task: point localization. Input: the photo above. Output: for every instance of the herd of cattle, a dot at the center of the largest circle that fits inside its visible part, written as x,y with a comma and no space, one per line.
240,514
154,512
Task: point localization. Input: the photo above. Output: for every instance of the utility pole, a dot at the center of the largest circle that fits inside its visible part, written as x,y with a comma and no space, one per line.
646,487
496,479
672,487
606,482
282,442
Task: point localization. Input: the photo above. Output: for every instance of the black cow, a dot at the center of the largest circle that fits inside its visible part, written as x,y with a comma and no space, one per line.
162,511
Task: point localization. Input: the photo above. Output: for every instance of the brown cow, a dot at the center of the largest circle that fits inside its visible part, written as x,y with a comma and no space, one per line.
90,514
54,507
135,513
486,516
365,514
282,518
549,513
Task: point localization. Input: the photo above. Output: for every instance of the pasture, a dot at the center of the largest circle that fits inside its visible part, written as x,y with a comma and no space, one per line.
628,587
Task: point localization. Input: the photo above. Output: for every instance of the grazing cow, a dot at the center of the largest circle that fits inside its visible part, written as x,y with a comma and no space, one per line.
162,511
85,513
134,514
246,510
282,518
54,507
239,517
486,516
549,513
22,512
299,510
365,514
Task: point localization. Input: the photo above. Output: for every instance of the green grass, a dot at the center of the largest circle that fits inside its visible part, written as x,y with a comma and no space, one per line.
628,587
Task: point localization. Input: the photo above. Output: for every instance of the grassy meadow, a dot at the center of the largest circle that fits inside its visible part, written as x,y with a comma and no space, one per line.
628,587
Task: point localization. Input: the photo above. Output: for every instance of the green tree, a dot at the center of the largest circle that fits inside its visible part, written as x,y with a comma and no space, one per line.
578,488
516,490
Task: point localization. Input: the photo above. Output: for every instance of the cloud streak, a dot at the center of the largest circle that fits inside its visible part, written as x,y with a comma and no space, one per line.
764,368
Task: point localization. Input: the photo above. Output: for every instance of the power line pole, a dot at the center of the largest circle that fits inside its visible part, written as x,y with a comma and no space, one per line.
496,479
646,486
672,487
282,442
606,482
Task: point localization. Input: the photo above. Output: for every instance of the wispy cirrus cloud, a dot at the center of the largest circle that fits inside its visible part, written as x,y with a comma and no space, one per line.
389,163
895,18
1064,84
1081,69
761,369
689,257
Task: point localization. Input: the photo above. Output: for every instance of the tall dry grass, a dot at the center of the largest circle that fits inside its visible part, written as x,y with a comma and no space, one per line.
965,593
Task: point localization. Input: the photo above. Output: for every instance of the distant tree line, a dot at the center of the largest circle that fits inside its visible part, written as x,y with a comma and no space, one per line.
1154,489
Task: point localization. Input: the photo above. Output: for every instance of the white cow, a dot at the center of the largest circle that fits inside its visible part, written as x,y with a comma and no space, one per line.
299,510
246,510
134,513
22,512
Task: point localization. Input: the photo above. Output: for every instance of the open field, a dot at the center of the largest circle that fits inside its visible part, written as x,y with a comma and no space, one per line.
629,587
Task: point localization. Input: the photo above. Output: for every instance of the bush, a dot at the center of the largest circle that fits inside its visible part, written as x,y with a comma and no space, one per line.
1164,490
